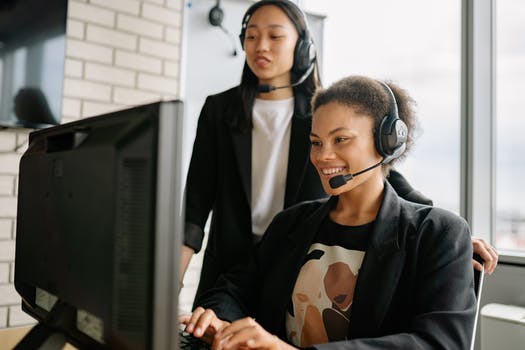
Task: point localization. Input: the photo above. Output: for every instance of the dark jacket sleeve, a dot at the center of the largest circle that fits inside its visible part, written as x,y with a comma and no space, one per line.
236,293
444,305
201,181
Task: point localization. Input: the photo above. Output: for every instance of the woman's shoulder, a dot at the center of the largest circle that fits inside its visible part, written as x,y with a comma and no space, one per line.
434,223
229,94
424,212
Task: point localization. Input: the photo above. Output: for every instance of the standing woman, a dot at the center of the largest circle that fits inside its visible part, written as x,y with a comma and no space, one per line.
250,156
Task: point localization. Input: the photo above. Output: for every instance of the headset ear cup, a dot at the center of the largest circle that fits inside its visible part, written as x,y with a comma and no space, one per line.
304,53
392,136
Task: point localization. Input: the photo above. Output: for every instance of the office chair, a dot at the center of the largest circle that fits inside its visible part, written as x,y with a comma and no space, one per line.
478,285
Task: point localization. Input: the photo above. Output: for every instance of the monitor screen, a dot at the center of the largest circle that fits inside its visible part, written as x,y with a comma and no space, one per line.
100,214
32,56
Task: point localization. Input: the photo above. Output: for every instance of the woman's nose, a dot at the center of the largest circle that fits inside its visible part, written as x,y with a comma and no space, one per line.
262,45
325,153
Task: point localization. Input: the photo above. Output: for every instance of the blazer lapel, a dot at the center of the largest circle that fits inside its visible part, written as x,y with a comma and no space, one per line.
380,271
242,144
298,158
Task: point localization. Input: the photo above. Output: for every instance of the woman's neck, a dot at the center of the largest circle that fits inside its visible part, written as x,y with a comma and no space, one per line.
360,205
279,94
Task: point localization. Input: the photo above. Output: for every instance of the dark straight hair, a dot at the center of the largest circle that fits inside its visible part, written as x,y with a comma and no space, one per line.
249,82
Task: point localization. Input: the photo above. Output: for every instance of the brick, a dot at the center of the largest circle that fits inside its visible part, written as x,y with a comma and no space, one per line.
7,141
12,272
133,97
171,69
16,185
175,4
8,295
110,75
70,108
67,119
4,273
21,140
92,14
138,62
173,35
3,317
9,163
86,90
159,49
139,26
111,37
6,228
161,15
90,109
75,29
128,6
17,317
158,2
158,83
7,250
88,51
73,68
7,185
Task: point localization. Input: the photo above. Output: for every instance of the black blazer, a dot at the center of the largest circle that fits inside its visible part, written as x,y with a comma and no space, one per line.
219,179
414,289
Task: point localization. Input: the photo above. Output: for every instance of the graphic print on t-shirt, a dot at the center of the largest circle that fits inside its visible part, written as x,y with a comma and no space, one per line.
323,294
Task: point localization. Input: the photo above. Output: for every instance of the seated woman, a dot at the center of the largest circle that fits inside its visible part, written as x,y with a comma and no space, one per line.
364,269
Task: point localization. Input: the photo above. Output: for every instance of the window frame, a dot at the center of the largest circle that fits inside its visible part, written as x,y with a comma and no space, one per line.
478,122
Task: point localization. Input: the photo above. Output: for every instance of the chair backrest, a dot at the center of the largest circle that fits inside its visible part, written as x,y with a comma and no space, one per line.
478,285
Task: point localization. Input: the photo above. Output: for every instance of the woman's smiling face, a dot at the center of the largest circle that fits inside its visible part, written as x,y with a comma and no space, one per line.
342,142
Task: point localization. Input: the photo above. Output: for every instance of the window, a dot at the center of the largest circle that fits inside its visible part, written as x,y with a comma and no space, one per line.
418,45
510,122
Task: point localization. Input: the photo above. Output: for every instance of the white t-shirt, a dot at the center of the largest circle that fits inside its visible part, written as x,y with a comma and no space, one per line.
270,148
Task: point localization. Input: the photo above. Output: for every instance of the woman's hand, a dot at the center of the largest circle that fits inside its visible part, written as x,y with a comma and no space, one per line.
203,323
487,252
247,334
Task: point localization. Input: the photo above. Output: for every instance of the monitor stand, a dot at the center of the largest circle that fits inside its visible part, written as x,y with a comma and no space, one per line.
42,337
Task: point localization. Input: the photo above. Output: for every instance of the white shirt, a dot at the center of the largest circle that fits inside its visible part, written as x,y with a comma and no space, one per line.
270,148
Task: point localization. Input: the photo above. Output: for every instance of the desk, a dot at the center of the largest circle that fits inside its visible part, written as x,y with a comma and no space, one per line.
9,337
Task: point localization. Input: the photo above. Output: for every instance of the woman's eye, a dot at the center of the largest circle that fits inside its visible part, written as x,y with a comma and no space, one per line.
340,139
315,143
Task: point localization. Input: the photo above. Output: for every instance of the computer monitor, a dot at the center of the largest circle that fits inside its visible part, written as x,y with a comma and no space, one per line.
100,216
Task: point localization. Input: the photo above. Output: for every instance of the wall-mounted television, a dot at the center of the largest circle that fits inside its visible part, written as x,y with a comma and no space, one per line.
32,56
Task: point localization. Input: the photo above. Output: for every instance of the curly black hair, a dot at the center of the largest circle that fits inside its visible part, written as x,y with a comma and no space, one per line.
369,97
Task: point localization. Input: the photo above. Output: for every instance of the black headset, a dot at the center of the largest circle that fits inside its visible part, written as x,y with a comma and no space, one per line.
391,136
304,52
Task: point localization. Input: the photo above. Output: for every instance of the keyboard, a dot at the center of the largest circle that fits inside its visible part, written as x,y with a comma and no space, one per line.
189,342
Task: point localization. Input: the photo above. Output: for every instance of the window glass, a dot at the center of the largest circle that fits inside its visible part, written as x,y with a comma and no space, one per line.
510,122
416,44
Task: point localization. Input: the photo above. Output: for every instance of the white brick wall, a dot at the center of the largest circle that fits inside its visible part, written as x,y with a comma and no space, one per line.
139,26
138,62
6,228
3,317
118,53
4,272
88,51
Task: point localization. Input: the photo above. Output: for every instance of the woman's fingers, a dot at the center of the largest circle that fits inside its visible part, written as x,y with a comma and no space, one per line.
487,252
244,334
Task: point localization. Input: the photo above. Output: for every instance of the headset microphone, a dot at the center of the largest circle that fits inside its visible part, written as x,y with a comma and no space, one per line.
340,180
269,88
